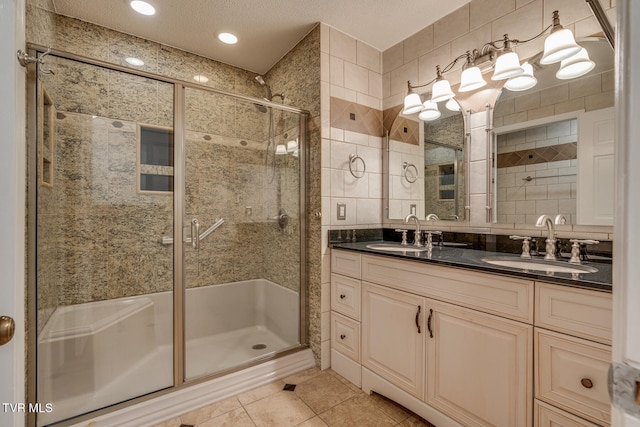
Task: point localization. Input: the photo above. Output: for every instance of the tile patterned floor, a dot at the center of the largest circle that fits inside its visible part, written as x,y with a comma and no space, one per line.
320,399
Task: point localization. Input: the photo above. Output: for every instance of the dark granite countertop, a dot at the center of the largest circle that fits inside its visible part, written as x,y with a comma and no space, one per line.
461,257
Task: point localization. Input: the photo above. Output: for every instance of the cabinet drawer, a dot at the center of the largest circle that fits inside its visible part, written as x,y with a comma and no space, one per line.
491,293
345,336
345,263
571,373
345,296
549,416
580,312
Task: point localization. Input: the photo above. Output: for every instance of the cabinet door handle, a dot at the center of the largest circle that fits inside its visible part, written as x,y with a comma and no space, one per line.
586,383
343,336
418,319
342,296
429,323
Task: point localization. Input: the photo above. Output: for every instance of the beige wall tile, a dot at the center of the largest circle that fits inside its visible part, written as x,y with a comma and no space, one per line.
599,100
325,38
392,58
554,95
522,23
571,105
472,40
451,26
570,11
527,102
375,86
336,73
586,86
369,101
400,76
418,44
342,45
427,63
356,77
485,11
537,113
368,57
343,93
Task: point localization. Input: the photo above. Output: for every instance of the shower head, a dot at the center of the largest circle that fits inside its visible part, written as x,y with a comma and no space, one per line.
267,89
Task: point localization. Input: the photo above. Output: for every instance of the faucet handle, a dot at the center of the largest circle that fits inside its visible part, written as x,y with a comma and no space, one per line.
578,250
404,235
526,245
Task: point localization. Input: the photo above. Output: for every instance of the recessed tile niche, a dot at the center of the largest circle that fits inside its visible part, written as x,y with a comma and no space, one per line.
155,159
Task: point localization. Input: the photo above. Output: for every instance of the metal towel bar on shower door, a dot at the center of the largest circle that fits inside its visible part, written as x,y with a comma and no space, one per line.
166,240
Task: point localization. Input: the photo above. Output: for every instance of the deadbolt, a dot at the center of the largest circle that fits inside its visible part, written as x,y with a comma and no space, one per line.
7,328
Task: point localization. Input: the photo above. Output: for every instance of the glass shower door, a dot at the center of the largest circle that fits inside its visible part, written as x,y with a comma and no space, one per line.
104,278
242,232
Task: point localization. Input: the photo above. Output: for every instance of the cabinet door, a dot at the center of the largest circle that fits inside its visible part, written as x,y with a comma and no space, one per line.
479,366
393,336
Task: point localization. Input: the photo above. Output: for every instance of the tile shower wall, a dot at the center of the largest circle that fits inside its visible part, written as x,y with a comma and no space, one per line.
149,270
469,28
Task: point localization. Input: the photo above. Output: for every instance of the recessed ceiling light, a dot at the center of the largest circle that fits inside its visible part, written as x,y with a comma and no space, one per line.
143,7
201,78
227,38
135,61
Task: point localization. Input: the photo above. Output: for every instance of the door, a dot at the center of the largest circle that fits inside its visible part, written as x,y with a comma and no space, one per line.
242,227
479,367
12,167
393,336
594,197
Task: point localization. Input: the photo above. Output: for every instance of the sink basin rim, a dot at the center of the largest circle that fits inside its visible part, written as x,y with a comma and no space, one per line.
538,265
391,247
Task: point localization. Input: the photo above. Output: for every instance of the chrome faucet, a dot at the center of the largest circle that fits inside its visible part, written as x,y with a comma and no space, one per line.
550,247
417,238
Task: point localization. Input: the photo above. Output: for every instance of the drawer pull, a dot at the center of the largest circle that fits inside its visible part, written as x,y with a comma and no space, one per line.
343,336
342,296
586,383
417,318
429,323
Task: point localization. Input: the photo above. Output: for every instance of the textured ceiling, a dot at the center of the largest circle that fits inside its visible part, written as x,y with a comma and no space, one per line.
266,29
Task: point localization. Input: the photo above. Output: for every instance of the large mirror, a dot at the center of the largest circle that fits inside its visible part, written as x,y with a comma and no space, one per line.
553,145
426,167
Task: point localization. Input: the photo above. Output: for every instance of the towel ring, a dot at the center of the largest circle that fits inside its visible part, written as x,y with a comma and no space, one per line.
352,159
405,167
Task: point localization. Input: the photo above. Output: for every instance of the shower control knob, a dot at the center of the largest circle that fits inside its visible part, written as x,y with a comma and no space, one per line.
317,214
7,329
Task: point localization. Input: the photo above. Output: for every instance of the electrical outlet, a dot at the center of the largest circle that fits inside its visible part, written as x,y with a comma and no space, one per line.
412,209
342,211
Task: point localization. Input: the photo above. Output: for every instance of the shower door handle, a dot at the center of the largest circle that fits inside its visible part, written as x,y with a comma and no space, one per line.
7,329
195,233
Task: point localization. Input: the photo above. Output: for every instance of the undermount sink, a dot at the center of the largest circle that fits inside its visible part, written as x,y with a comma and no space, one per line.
540,265
391,247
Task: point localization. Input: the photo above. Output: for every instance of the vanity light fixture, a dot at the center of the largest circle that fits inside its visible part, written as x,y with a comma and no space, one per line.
452,105
523,81
500,57
142,7
429,111
136,62
227,38
471,77
575,66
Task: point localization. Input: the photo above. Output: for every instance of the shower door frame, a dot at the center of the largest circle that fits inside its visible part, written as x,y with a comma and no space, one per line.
179,112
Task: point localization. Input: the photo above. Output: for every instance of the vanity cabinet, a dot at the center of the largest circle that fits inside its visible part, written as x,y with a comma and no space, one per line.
345,315
573,353
467,348
393,338
479,366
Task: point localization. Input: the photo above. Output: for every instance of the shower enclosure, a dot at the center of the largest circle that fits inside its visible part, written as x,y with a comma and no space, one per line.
169,241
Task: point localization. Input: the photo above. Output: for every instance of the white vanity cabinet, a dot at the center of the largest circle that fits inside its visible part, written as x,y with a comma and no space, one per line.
345,315
572,357
479,366
467,348
393,336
